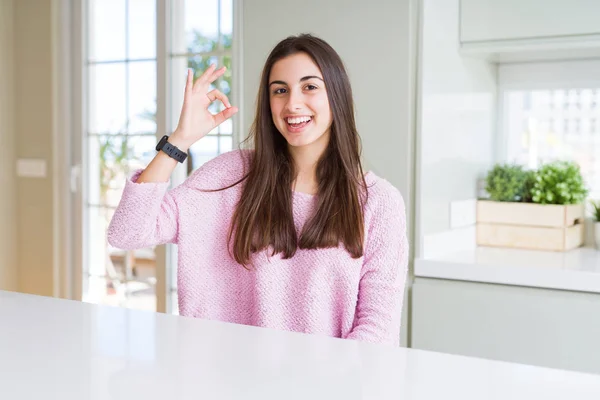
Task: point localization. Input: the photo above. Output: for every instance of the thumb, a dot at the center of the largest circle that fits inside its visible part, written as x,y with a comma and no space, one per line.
225,114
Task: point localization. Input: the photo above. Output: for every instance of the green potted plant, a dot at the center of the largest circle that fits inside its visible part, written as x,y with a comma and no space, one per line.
533,209
559,182
507,182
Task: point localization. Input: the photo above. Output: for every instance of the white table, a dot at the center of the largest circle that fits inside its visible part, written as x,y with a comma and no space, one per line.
67,350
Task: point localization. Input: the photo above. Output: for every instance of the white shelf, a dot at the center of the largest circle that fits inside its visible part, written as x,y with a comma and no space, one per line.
576,270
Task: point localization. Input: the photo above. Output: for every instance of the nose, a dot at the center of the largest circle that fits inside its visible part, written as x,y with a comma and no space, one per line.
294,100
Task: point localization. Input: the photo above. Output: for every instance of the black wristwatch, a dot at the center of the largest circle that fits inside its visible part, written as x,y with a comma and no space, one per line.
171,150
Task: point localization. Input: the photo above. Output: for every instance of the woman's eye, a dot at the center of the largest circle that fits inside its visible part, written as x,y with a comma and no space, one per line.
311,87
279,91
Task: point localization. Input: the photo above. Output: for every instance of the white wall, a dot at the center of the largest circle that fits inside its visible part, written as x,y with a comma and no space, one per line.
375,40
8,222
456,121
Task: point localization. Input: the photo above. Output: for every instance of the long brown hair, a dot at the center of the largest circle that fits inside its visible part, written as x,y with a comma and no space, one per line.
263,216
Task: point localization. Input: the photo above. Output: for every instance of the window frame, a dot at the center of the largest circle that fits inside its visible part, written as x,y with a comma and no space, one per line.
75,141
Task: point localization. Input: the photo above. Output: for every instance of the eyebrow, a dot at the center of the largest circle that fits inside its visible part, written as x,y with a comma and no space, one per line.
304,78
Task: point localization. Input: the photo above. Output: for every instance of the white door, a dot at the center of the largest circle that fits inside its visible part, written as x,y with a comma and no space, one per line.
131,72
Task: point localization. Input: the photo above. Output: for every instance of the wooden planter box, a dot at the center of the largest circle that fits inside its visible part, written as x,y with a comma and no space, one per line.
530,226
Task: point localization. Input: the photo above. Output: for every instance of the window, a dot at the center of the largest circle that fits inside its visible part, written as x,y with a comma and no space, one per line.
549,113
136,56
546,125
206,38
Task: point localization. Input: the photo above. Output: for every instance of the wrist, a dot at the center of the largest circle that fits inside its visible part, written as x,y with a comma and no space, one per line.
171,149
179,142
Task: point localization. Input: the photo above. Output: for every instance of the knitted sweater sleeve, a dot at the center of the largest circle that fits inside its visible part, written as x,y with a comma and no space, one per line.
146,216
149,213
381,288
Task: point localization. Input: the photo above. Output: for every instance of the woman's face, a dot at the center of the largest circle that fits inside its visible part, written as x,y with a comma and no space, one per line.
299,103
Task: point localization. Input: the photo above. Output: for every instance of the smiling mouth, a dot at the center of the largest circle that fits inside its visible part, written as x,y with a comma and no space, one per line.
297,124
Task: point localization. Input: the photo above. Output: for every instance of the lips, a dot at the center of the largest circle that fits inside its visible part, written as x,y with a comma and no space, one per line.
298,127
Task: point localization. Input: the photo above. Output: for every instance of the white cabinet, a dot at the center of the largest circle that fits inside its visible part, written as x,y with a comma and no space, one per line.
491,20
549,328
516,28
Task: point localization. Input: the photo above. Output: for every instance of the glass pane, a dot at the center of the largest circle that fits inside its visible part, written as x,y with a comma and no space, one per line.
178,78
226,127
115,276
107,95
108,168
97,245
199,64
143,151
142,97
139,268
109,157
215,107
107,30
137,294
112,160
199,19
227,20
94,177
142,29
226,143
204,150
547,125
226,78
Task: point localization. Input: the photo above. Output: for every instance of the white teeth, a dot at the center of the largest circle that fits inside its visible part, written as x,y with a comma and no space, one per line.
298,120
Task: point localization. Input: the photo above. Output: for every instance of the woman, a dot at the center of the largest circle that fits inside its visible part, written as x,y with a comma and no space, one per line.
291,235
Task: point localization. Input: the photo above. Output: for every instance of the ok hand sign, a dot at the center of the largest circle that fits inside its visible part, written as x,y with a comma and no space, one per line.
196,120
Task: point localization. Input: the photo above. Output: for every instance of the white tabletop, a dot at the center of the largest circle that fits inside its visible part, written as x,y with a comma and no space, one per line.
575,270
67,350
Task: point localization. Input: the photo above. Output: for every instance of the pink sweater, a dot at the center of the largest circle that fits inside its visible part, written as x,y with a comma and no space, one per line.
322,291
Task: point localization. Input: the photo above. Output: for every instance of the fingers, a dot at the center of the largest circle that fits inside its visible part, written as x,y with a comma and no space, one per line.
218,95
202,80
217,73
224,115
209,76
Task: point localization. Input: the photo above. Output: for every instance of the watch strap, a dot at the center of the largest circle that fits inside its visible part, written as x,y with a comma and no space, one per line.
171,150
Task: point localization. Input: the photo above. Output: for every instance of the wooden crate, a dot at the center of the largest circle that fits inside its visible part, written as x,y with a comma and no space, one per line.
530,226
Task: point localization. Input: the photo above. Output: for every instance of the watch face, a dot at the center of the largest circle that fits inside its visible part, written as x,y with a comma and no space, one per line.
161,143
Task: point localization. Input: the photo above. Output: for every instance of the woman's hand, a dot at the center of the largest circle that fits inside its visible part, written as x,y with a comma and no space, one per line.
196,120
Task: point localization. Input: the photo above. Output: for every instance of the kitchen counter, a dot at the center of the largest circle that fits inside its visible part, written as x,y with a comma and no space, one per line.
575,270
68,350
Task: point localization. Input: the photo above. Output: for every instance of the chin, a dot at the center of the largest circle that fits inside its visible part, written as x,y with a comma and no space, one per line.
300,141
304,139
